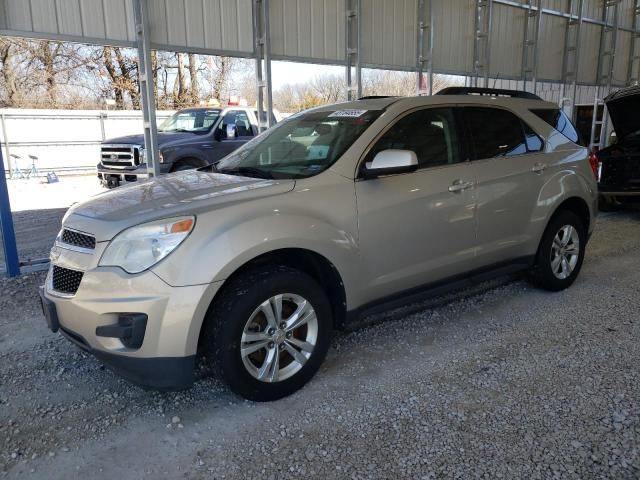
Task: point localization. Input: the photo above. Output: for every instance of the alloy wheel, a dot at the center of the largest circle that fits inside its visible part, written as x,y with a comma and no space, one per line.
279,337
565,250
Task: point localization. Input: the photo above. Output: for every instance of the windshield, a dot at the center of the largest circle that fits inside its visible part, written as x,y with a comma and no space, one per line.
301,146
191,121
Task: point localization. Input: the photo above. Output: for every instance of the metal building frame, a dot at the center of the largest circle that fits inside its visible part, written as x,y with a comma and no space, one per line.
262,45
530,44
6,227
425,48
147,88
633,70
482,43
571,55
604,73
353,31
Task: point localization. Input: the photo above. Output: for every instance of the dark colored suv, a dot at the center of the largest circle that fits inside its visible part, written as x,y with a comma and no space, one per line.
619,176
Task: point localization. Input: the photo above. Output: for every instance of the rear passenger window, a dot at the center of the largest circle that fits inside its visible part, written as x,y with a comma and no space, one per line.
430,133
558,120
499,133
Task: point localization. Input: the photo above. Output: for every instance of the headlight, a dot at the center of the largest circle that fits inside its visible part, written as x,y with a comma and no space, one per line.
141,154
139,248
160,157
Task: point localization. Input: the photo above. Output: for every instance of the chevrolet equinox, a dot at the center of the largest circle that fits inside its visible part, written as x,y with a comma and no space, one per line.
333,214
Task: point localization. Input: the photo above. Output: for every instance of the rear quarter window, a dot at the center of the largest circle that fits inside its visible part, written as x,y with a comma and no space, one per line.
559,120
499,133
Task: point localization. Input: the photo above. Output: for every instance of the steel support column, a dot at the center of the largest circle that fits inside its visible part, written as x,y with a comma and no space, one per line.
147,87
633,73
606,59
425,47
352,44
262,51
530,44
482,43
10,248
570,59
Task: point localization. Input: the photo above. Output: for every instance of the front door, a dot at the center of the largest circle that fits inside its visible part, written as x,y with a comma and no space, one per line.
234,120
417,228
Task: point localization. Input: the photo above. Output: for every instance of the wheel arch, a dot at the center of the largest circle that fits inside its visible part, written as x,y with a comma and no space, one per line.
575,205
317,266
187,158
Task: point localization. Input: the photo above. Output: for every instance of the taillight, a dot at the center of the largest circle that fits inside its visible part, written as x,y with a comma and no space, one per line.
594,161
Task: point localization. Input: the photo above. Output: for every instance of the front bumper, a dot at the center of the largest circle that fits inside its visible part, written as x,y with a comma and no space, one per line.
114,177
164,358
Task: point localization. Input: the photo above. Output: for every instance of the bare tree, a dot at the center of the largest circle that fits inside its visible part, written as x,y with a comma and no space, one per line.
389,82
7,50
320,90
193,78
122,72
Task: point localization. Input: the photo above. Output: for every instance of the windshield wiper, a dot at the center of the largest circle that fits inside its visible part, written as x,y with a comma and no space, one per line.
247,172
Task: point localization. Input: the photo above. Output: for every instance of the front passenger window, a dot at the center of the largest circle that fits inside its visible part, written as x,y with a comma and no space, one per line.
430,133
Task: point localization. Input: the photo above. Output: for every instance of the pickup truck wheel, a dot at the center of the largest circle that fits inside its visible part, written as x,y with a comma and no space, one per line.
560,253
186,164
269,332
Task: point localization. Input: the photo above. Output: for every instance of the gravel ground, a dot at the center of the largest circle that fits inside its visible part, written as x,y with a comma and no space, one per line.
503,382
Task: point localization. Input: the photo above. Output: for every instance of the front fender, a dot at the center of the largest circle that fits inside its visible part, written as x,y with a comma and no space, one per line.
176,154
215,258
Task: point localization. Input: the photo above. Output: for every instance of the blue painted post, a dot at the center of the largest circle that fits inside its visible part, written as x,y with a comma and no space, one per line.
6,226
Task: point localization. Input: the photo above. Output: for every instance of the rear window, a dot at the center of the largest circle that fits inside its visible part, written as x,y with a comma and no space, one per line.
558,120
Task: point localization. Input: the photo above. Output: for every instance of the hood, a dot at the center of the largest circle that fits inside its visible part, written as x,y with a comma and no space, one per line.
623,107
165,139
181,193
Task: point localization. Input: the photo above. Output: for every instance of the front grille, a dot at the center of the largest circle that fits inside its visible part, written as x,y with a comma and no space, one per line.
66,280
71,237
120,156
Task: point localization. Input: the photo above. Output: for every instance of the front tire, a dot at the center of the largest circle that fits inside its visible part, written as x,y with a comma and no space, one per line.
561,252
268,332
186,164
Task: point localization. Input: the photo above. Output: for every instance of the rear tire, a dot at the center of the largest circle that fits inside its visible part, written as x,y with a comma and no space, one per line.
260,359
561,252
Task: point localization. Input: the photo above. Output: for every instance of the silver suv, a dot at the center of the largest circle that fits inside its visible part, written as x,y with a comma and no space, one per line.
334,213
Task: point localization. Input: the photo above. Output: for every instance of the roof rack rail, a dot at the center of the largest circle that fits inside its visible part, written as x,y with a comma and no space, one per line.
370,97
493,92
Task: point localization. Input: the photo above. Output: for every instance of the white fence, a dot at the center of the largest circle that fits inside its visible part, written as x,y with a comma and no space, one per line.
64,140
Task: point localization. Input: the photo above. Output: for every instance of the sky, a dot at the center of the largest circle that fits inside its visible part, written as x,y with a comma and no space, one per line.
290,72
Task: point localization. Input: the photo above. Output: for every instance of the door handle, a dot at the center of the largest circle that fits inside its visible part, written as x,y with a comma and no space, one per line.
459,185
539,167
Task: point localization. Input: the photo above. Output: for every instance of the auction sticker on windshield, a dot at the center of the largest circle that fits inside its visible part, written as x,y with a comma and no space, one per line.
348,113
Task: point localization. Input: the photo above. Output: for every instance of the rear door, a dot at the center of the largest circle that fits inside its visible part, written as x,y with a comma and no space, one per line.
418,227
510,169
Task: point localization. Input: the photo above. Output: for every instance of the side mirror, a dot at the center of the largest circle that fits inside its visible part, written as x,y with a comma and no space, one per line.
388,162
232,131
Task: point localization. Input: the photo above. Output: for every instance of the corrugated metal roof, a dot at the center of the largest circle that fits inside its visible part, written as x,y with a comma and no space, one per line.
314,31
